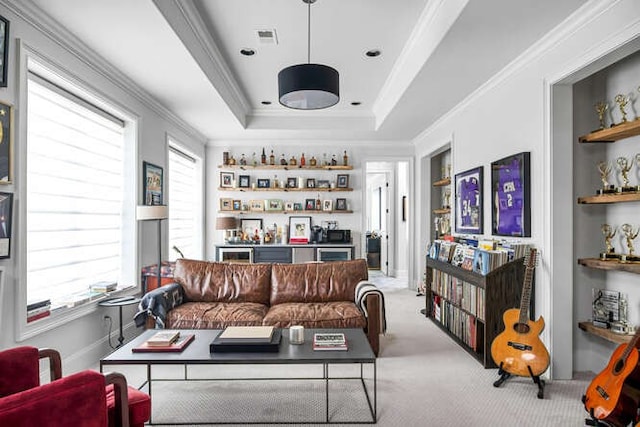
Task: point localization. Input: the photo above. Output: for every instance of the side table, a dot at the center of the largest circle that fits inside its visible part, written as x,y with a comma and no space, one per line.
119,302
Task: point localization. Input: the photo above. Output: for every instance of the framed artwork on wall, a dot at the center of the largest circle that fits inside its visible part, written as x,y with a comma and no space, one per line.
468,188
510,196
250,225
244,181
299,229
6,210
4,50
6,143
226,179
152,184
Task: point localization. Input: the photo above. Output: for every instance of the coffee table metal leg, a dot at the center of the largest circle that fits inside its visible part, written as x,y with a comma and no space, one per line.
326,389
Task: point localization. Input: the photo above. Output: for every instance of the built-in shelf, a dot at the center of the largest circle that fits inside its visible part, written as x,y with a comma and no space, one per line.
604,333
286,167
610,198
442,182
614,133
631,267
312,190
442,211
303,212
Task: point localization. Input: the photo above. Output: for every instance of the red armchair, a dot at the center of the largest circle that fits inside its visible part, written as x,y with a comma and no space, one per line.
87,398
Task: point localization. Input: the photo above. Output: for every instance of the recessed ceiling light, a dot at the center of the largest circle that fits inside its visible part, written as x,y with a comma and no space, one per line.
247,52
356,103
373,53
266,102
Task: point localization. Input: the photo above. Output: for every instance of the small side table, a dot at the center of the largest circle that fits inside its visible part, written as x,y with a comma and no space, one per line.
119,302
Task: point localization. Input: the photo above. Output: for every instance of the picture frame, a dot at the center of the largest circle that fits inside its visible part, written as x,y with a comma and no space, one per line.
226,204
6,143
341,204
511,196
309,204
244,181
273,205
323,183
226,179
343,181
297,206
288,206
250,224
299,229
468,197
237,205
311,183
6,224
152,184
4,50
292,182
327,205
256,205
264,183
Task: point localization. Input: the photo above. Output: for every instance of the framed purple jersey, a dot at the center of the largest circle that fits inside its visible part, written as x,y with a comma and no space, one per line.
468,196
511,210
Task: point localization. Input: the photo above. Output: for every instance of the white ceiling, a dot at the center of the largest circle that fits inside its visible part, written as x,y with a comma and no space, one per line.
185,53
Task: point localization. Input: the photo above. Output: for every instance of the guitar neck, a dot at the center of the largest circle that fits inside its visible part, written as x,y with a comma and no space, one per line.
525,299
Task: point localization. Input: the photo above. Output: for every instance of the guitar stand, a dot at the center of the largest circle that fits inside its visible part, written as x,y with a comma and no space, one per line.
504,375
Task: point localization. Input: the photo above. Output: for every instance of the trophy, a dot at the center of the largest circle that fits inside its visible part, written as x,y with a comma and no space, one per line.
625,166
609,232
601,108
630,234
622,102
446,197
605,170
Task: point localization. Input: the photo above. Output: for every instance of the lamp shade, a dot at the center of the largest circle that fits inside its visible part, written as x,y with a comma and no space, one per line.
308,86
226,223
147,213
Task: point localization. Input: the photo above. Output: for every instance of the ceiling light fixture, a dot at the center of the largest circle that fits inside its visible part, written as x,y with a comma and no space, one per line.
308,86
247,51
373,53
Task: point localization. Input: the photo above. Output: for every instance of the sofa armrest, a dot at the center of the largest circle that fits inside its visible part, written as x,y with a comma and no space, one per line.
157,303
370,300
55,362
121,397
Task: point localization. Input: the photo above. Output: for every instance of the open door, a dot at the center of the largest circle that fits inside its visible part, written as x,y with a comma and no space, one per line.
378,219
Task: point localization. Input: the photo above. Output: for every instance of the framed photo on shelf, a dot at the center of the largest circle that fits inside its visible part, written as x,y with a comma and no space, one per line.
4,50
297,206
244,181
511,196
327,205
323,183
256,205
273,205
310,205
288,206
226,179
311,183
343,181
226,204
264,183
6,143
468,188
250,225
292,182
341,204
299,229
6,211
237,205
151,184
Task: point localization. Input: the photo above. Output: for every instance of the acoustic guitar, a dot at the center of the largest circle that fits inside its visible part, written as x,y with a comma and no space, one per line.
518,350
609,397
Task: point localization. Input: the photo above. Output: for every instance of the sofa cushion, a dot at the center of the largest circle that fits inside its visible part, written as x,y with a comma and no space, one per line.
341,314
223,282
215,315
316,282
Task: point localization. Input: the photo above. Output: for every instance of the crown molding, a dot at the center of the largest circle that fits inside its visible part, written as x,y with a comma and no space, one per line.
569,26
42,22
186,22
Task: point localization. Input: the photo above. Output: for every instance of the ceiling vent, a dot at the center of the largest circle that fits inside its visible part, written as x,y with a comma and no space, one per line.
267,36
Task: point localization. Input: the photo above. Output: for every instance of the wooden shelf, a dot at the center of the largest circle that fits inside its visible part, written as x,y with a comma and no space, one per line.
286,167
613,134
442,211
604,333
442,182
302,213
308,190
597,263
610,198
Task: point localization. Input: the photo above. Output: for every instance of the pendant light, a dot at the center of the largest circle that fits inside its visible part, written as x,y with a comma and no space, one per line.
308,86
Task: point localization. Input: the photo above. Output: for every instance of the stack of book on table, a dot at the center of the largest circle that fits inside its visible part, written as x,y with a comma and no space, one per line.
103,287
165,341
329,341
247,339
38,309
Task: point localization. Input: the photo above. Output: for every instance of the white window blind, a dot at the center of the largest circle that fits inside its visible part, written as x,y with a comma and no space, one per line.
75,176
184,191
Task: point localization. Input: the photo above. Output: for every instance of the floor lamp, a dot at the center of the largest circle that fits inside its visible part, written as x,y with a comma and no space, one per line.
154,213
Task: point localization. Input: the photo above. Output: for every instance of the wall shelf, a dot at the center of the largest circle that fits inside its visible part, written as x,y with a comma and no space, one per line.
597,263
307,190
286,167
604,333
304,212
610,198
443,182
613,134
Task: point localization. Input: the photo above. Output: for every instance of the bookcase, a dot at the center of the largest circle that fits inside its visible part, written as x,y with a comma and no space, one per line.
469,306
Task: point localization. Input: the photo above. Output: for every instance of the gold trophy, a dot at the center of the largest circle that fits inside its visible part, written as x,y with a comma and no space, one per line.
622,102
605,171
625,166
601,108
609,232
630,234
446,197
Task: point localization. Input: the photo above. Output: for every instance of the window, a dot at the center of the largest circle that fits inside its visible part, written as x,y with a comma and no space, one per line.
185,201
74,194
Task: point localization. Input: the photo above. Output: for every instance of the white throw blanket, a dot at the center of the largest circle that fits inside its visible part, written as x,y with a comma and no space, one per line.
365,288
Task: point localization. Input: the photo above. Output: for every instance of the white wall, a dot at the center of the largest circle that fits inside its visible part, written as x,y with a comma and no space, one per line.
511,114
82,341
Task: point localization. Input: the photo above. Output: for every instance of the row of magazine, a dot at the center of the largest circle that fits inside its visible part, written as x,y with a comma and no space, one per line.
456,321
479,256
463,294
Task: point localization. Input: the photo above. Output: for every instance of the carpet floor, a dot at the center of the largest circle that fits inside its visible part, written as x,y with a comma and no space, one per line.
424,379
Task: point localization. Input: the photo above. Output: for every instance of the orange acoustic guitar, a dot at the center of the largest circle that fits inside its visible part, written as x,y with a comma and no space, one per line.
518,350
608,397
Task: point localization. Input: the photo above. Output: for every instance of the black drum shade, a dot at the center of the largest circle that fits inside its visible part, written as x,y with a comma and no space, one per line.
308,87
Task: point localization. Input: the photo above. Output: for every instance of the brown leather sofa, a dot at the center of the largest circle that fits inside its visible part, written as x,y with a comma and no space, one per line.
215,295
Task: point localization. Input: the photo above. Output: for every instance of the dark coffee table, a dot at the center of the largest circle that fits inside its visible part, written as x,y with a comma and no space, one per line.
197,353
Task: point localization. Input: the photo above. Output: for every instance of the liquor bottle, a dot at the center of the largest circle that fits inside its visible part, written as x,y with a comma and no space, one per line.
263,157
232,160
313,161
303,161
272,159
334,162
283,161
254,160
325,162
243,160
318,203
293,161
345,159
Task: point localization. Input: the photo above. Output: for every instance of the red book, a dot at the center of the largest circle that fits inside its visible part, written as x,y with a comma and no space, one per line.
175,347
38,316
